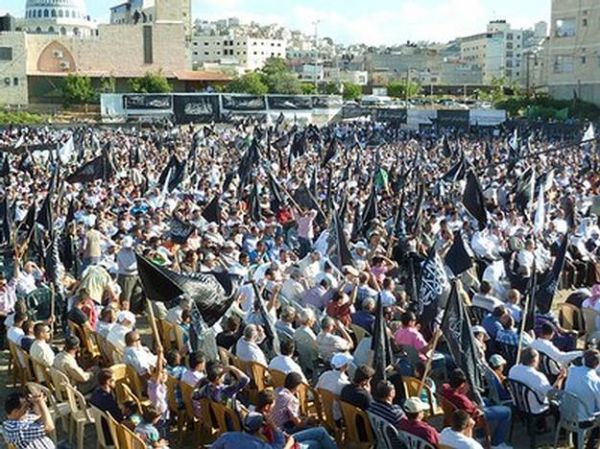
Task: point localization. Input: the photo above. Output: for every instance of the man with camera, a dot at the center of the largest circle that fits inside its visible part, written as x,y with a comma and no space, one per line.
28,423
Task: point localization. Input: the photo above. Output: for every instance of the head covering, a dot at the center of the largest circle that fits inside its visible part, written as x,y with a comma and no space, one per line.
480,330
127,242
253,422
497,360
341,359
414,405
125,315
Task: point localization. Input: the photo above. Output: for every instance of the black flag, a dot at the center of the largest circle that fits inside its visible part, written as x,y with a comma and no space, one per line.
5,214
46,217
331,152
180,231
546,289
456,327
254,206
525,192
98,168
212,212
370,211
380,345
458,258
271,335
277,195
433,285
213,293
338,245
474,201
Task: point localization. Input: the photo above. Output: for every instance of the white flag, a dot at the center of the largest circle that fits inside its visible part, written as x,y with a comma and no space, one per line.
589,135
20,142
514,140
540,213
66,151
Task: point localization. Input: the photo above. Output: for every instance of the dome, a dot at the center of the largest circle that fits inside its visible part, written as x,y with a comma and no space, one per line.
55,9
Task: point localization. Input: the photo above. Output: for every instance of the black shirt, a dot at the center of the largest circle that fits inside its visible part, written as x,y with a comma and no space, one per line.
356,396
106,402
227,339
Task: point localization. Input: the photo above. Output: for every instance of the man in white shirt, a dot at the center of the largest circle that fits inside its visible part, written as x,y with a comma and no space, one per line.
335,379
460,435
527,373
485,299
293,288
40,349
137,356
26,282
284,362
174,313
329,343
247,348
15,332
306,341
544,344
125,323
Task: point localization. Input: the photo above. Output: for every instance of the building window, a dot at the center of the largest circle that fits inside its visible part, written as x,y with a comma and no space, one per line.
205,43
6,54
50,29
563,64
583,59
53,13
584,22
46,13
16,81
61,13
206,53
565,27
147,43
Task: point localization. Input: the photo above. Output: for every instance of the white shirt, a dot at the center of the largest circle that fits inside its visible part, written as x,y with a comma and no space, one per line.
174,315
248,351
486,302
286,364
334,381
548,348
292,290
457,440
26,283
140,358
535,380
116,336
15,334
41,352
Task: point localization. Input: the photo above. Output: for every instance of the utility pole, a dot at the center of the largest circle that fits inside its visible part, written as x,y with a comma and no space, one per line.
316,25
406,89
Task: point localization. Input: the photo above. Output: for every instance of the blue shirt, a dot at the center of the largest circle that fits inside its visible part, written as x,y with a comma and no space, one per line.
364,319
584,383
239,440
27,433
492,325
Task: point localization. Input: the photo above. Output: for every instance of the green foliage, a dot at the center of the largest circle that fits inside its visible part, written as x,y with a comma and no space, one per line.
352,91
108,85
502,90
397,89
308,88
250,83
77,89
20,118
150,83
279,79
544,107
329,88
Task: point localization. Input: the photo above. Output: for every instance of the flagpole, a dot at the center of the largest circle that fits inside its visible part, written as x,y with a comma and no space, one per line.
436,340
153,323
529,298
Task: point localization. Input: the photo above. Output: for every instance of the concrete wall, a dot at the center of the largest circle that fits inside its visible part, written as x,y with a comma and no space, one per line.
13,78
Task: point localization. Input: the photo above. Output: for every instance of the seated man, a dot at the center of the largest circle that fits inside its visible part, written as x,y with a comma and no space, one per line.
125,323
456,393
545,345
383,405
485,299
527,373
137,356
28,422
409,335
358,393
66,361
460,434
509,334
494,321
335,379
41,351
306,343
414,424
247,348
330,343
284,362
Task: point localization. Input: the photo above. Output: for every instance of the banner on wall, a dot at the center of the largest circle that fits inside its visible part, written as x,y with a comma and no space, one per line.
147,101
196,108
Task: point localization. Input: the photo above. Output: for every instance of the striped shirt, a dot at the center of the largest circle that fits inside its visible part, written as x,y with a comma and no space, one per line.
27,433
286,407
392,413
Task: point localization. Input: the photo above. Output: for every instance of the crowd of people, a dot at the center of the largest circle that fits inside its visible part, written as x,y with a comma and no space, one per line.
327,231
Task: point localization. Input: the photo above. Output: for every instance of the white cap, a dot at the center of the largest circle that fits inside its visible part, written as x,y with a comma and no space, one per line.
127,241
414,405
125,315
480,330
341,359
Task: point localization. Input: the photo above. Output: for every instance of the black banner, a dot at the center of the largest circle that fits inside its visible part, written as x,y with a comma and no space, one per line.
289,102
455,118
391,115
147,101
196,108
355,112
244,102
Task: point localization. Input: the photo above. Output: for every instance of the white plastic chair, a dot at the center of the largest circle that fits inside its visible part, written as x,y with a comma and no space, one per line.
80,414
569,408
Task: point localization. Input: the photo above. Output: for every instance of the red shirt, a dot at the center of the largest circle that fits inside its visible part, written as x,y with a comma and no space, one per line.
284,216
341,312
460,400
420,429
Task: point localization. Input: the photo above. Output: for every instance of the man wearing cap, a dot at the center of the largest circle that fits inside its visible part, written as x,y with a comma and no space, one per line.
335,379
496,380
125,323
481,337
414,424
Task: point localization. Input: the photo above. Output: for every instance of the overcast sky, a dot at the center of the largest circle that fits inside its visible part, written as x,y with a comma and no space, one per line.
372,22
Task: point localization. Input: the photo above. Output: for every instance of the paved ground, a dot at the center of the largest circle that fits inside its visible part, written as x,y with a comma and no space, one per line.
520,438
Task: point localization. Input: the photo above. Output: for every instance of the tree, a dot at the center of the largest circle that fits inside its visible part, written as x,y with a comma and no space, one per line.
351,91
108,85
397,89
250,83
279,79
308,88
329,88
77,89
150,83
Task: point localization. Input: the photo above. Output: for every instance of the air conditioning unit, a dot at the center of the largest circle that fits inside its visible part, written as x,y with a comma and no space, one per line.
65,65
58,54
